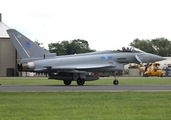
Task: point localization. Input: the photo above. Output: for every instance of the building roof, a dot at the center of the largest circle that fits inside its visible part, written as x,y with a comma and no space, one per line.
3,32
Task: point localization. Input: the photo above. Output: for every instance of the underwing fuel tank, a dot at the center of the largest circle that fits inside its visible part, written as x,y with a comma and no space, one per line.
70,77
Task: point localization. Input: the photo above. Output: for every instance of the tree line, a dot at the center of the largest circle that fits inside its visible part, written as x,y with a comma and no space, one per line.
70,47
158,46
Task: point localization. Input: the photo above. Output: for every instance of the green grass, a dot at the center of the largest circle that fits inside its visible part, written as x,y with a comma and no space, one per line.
85,105
101,81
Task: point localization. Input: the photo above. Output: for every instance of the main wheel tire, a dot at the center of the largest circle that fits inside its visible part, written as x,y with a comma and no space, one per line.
67,82
80,81
115,82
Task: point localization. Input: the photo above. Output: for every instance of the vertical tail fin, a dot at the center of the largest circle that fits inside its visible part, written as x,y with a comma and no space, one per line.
25,47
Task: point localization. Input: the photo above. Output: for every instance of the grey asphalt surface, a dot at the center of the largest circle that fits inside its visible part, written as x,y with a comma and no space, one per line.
75,88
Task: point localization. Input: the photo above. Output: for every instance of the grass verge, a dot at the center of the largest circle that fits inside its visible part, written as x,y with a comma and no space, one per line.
101,81
85,105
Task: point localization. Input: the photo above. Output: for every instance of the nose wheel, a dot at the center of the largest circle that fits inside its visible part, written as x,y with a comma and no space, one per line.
115,82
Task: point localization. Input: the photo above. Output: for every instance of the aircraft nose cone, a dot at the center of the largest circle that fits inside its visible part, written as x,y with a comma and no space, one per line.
154,58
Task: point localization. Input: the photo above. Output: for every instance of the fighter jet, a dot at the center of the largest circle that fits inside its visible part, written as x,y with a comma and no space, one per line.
75,67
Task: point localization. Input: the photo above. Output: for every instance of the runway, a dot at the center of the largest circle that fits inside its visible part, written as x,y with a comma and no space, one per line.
85,88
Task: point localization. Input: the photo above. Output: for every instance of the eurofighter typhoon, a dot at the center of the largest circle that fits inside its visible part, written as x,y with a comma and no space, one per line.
75,67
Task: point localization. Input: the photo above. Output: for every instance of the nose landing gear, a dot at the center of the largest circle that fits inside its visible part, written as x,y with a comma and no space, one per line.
115,82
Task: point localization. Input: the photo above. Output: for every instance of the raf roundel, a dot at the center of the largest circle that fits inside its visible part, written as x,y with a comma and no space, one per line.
27,44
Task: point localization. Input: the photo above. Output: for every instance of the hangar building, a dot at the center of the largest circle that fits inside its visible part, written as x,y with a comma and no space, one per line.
8,53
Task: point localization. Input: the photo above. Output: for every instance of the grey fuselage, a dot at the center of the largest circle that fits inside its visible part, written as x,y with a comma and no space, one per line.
116,59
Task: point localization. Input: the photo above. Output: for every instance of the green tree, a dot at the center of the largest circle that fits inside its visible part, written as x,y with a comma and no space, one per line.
144,45
162,46
159,46
56,48
70,47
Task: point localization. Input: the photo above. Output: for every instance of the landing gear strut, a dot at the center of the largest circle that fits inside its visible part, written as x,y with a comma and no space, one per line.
80,81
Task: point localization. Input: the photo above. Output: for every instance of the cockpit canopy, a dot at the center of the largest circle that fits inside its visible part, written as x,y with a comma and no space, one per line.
128,49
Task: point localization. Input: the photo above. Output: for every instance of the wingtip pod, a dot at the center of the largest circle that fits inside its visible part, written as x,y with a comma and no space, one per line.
25,47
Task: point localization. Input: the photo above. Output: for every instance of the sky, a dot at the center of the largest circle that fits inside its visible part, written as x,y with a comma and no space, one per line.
105,24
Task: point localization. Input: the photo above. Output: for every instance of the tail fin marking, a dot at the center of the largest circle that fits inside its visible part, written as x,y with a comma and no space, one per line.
22,46
25,47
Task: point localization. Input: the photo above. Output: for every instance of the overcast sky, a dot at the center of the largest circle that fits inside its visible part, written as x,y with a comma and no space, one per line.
105,24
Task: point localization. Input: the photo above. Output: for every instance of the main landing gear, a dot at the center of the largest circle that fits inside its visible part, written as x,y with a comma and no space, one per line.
80,81
67,82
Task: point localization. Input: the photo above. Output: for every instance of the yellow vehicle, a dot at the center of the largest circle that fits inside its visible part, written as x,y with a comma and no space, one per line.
153,70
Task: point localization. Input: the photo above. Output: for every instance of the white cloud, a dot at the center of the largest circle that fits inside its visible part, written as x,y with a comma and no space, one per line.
105,24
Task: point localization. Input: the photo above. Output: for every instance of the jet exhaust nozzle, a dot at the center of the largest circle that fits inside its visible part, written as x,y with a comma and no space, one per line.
26,66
